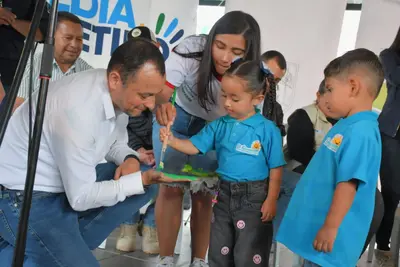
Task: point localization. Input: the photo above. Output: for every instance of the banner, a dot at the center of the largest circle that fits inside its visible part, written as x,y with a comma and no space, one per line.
307,34
379,22
171,20
106,23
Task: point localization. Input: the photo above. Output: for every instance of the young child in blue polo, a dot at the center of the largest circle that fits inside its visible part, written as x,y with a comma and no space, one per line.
330,212
250,160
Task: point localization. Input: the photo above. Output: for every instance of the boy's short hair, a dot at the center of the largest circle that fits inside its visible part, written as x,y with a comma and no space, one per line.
362,61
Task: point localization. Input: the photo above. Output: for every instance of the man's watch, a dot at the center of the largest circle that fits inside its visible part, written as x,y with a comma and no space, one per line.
132,156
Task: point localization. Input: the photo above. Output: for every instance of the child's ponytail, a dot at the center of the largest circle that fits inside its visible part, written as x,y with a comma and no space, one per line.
271,109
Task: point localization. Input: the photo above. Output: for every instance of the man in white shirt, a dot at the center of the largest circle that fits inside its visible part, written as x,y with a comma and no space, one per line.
85,121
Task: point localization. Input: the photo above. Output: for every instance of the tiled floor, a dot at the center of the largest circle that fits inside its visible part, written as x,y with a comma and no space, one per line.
109,257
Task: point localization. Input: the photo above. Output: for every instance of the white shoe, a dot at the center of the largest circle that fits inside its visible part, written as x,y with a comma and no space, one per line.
383,258
199,263
127,238
166,262
150,240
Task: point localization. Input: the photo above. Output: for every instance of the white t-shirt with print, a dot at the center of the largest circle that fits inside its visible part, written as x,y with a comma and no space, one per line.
182,73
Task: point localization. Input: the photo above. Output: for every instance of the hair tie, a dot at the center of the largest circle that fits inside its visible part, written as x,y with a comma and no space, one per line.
265,68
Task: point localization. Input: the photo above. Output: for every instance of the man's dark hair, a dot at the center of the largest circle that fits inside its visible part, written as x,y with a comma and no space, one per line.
273,54
130,57
358,60
66,16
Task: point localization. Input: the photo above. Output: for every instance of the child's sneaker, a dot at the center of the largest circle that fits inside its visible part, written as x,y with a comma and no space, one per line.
167,261
150,240
199,263
126,241
383,258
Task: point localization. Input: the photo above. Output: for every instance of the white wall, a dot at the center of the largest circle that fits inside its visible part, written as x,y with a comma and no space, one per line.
307,34
207,16
380,20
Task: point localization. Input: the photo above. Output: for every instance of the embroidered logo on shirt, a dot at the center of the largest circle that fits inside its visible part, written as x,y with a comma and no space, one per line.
334,143
254,149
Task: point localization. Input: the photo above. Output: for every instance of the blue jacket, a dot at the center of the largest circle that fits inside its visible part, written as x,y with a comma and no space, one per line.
389,119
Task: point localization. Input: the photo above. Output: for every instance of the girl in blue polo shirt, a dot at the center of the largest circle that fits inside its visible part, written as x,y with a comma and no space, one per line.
250,160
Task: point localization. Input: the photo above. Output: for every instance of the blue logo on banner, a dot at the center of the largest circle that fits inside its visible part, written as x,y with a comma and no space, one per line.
122,12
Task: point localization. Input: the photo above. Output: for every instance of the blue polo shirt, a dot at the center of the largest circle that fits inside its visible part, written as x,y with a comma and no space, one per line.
351,150
246,150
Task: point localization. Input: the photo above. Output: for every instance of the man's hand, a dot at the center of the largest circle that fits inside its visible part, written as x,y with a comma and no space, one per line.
146,156
165,114
325,239
268,210
129,166
155,177
6,16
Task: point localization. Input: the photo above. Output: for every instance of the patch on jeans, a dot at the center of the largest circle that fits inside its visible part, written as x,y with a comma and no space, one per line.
241,224
257,259
224,251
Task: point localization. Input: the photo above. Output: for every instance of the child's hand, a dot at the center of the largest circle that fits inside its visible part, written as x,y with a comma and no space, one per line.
268,210
165,134
146,156
325,239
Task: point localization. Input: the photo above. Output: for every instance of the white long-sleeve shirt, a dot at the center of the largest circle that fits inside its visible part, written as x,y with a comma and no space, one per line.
81,128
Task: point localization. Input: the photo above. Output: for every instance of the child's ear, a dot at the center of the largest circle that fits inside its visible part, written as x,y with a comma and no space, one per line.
355,85
258,100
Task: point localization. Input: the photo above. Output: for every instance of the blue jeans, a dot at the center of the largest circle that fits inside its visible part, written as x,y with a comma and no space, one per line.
149,217
238,236
289,182
57,234
184,127
310,264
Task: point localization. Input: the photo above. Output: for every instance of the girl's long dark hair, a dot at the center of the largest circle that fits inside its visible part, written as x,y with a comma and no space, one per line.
396,43
234,22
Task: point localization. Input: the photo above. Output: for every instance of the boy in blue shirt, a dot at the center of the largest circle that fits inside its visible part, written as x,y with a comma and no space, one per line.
330,212
250,160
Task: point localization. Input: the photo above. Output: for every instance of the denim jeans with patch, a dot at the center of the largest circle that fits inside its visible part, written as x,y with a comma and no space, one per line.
238,236
57,234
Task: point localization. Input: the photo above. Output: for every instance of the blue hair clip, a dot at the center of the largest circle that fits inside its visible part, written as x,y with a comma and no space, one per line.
265,69
236,59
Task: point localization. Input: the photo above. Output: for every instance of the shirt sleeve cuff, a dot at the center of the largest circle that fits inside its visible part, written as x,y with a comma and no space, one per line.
278,164
132,184
123,153
198,144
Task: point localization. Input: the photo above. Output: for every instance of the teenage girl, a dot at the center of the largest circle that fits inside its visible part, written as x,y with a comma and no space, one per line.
250,158
194,70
